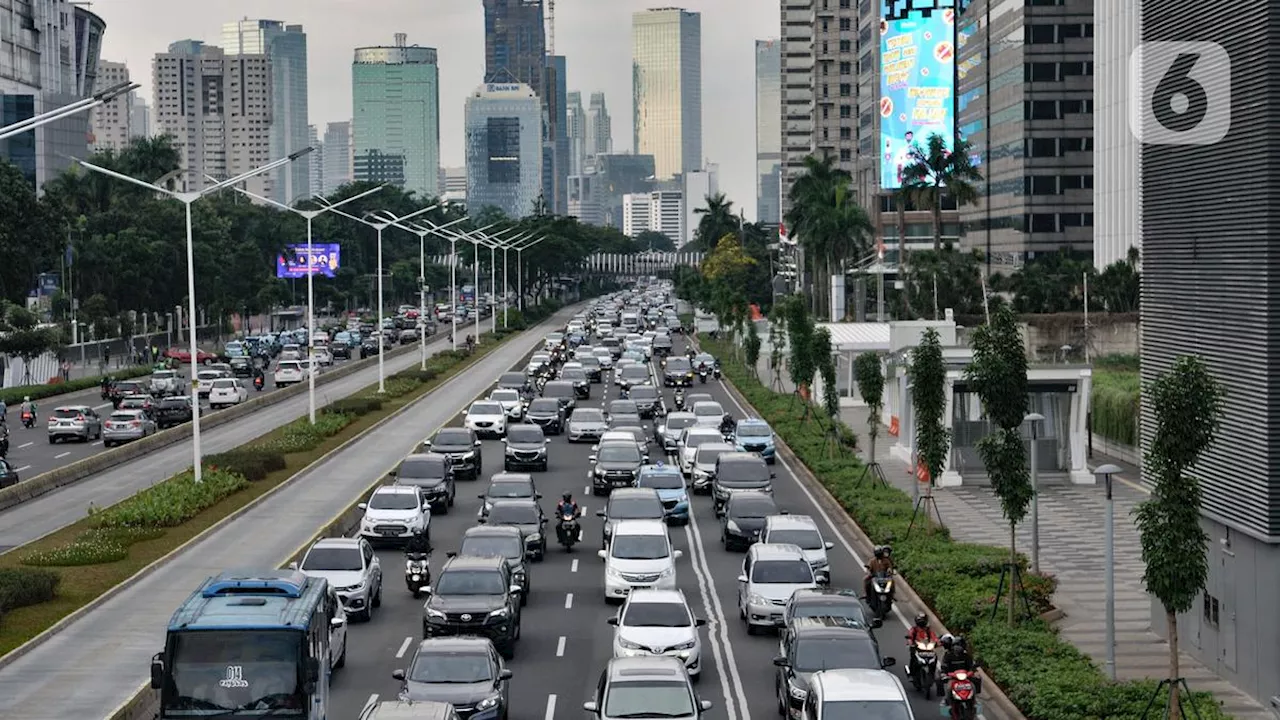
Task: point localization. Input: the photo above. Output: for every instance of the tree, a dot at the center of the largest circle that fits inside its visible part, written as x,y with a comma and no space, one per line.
777,339
870,377
1050,283
1118,287
751,348
934,173
22,336
998,374
820,348
716,219
654,241
928,373
1186,403
801,364
946,278
828,222
28,235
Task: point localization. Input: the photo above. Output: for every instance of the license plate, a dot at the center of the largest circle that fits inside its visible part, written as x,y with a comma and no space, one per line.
641,587
387,532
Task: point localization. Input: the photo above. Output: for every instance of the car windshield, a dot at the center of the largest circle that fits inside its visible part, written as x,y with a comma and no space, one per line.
163,375
704,358
265,663
450,438
549,405
850,609
394,501
525,434
421,470
708,455
588,415
573,374
661,481
558,390
513,514
67,413
470,582
815,654
752,471
644,392
451,668
648,699
333,558
708,410
484,545
865,710
781,571
657,614
753,430
678,364
623,407
223,384
680,423
639,547
587,360
634,508
806,539
619,453
482,408
635,372
752,509
510,489
504,396
696,439
288,365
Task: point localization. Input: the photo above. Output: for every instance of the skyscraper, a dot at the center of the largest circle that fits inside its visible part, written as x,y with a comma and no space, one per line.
504,148
286,45
576,131
110,124
316,185
338,169
1117,154
666,76
515,45
768,131
218,110
555,163
599,128
396,130
797,91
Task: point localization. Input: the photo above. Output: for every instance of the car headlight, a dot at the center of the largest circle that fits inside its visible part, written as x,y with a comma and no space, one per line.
469,455
732,526
626,644
535,537
598,472
754,599
797,693
436,614
489,703
687,645
500,613
352,588
612,573
668,572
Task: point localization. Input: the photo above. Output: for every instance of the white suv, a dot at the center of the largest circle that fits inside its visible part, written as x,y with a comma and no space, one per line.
770,573
640,557
225,392
486,417
855,693
802,531
659,622
288,372
352,568
395,512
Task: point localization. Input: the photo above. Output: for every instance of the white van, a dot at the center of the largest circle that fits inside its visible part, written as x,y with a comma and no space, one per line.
631,322
640,557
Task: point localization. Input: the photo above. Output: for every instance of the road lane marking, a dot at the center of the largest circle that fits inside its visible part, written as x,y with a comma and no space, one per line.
103,405
586,490
568,601
404,647
24,467
59,457
551,708
721,647
373,700
96,444
26,445
560,646
573,566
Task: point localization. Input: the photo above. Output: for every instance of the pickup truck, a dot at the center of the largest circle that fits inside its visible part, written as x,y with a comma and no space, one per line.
172,411
167,382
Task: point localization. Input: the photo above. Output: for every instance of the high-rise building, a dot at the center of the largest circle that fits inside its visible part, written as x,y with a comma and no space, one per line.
286,45
697,187
515,44
111,123
396,130
317,161
50,52
453,184
584,200
1117,156
768,131
555,162
599,128
1033,138
504,148
797,91
139,117
666,71
618,175
218,110
338,168
635,213
576,132
667,212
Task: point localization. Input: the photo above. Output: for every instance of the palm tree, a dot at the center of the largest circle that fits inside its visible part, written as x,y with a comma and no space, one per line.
717,220
829,223
934,172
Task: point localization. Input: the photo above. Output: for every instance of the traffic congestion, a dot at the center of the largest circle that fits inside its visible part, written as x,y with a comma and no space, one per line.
605,530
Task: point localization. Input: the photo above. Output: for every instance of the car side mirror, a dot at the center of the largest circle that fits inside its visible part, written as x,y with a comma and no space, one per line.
480,496
829,545
888,662
646,458
592,458
601,513
478,443
397,674
482,520
591,707
613,621
504,674
877,623
537,496
363,506
393,473
338,622
515,589
451,554
705,705
157,672
602,554
677,554
773,476
542,521
742,578
781,661
594,448
784,512
699,622
293,566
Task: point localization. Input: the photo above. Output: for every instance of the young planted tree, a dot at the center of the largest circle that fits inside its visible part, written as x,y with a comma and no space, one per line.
928,375
998,374
801,363
1186,403
777,339
820,348
870,378
751,347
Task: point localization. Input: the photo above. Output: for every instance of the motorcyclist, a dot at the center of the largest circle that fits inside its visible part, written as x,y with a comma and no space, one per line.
956,657
881,563
28,406
679,399
728,425
690,353
4,411
568,506
920,632
419,544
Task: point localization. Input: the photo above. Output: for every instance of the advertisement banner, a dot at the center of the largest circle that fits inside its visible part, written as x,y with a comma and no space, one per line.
917,87
293,262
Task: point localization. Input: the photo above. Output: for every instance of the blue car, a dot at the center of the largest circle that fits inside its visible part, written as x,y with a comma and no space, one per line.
755,435
669,483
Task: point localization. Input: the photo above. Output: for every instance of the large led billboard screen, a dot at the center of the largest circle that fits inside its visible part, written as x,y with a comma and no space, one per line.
917,87
292,263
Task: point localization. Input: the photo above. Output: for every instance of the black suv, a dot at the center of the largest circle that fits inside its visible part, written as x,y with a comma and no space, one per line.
677,371
524,514
172,411
813,644
525,447
581,383
502,541
563,391
513,381
432,473
615,465
647,399
475,596
739,471
743,518
547,413
462,447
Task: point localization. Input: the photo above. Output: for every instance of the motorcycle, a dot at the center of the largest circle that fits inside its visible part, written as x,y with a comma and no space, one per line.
962,690
257,382
881,598
679,400
716,372
4,440
28,419
417,573
923,667
702,374
568,531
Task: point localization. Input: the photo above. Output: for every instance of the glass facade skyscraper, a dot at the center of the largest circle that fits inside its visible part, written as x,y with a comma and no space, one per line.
768,131
504,148
396,129
666,76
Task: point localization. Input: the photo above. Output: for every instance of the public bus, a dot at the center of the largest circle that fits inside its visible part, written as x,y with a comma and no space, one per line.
250,643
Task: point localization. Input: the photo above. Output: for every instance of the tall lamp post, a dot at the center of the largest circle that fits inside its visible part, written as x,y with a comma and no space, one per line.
378,221
506,287
310,215
520,269
493,242
1034,419
99,98
186,198
1106,472
422,233
453,237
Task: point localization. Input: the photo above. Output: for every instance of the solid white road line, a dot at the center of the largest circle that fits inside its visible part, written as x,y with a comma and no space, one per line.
404,647
96,444
59,457
24,467
573,566
568,601
373,700
717,624
560,646
551,708
26,445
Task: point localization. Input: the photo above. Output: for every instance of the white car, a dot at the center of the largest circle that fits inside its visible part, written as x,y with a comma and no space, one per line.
289,372
771,572
510,401
658,622
704,462
337,632
604,356
537,361
352,568
322,354
205,380
708,414
801,531
225,392
486,417
290,352
640,557
690,439
395,512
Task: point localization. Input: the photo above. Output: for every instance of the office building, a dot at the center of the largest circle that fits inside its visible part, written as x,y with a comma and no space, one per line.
666,62
453,184
317,161
797,91
555,162
667,213
635,213
618,175
576,132
584,201
768,131
218,110
50,51
139,117
1117,159
599,128
515,43
111,123
1025,102
697,187
286,46
338,168
504,148
396,129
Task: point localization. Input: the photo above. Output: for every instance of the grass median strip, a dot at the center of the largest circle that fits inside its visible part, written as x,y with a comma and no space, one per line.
52,389
46,580
1044,675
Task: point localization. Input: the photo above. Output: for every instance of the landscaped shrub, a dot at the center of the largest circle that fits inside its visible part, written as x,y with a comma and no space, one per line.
302,435
421,376
399,387
353,406
79,552
1115,404
20,587
171,502
254,463
14,395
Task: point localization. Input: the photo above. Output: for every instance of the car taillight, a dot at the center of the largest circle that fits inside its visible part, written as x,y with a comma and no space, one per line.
135,423
79,418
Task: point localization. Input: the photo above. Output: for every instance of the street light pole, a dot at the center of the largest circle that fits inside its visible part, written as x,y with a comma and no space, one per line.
1034,419
506,292
520,269
1106,472
422,234
79,106
186,198
453,237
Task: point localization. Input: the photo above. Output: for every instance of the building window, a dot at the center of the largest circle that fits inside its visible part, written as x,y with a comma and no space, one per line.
846,133
844,4
846,111
1211,609
846,46
1038,34
846,67
846,90
845,24
846,155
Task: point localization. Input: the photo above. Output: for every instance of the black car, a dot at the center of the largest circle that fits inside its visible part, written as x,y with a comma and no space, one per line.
677,372
811,645
743,518
630,503
474,596
525,447
548,413
508,486
615,465
8,474
432,473
581,383
564,392
501,541
840,603
466,672
739,471
662,345
462,447
633,375
526,515
647,399
513,381
591,365
172,411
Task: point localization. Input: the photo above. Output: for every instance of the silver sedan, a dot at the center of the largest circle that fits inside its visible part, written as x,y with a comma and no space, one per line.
126,425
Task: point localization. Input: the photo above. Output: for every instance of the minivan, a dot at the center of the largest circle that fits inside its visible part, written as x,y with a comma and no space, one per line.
640,557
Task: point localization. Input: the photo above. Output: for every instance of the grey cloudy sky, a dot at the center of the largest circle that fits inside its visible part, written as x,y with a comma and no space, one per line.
595,35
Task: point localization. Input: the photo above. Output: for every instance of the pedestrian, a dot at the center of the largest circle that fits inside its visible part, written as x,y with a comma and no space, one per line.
66,370
106,356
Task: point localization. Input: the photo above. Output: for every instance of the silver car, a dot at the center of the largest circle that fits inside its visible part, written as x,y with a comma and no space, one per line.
649,686
127,425
74,422
587,424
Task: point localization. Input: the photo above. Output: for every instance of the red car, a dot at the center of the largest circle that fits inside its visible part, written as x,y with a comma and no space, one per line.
183,356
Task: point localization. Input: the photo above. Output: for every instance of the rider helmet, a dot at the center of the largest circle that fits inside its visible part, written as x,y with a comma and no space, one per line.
922,621
879,552
26,398
567,497
947,641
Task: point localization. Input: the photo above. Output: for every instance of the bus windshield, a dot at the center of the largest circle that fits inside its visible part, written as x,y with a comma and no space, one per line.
216,671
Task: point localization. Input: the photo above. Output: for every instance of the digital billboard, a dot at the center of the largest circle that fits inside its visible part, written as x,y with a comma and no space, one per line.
292,263
917,87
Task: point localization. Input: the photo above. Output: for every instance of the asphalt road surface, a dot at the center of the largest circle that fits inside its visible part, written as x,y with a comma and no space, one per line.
565,641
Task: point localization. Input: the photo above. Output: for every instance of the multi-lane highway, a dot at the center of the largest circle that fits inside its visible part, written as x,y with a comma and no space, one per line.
565,641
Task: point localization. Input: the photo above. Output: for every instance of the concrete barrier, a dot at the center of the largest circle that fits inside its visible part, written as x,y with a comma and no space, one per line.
81,469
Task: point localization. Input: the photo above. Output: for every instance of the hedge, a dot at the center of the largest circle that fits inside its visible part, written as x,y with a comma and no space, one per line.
171,502
14,395
20,587
1115,405
302,435
254,463
354,406
1044,675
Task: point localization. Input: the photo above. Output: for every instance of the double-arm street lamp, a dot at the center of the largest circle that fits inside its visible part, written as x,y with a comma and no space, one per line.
311,303
378,221
186,198
520,268
506,288
422,233
79,106
493,242
453,237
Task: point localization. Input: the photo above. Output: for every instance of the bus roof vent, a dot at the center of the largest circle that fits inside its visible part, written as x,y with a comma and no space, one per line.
288,583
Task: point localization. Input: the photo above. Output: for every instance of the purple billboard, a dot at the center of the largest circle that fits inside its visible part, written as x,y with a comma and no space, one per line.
292,263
